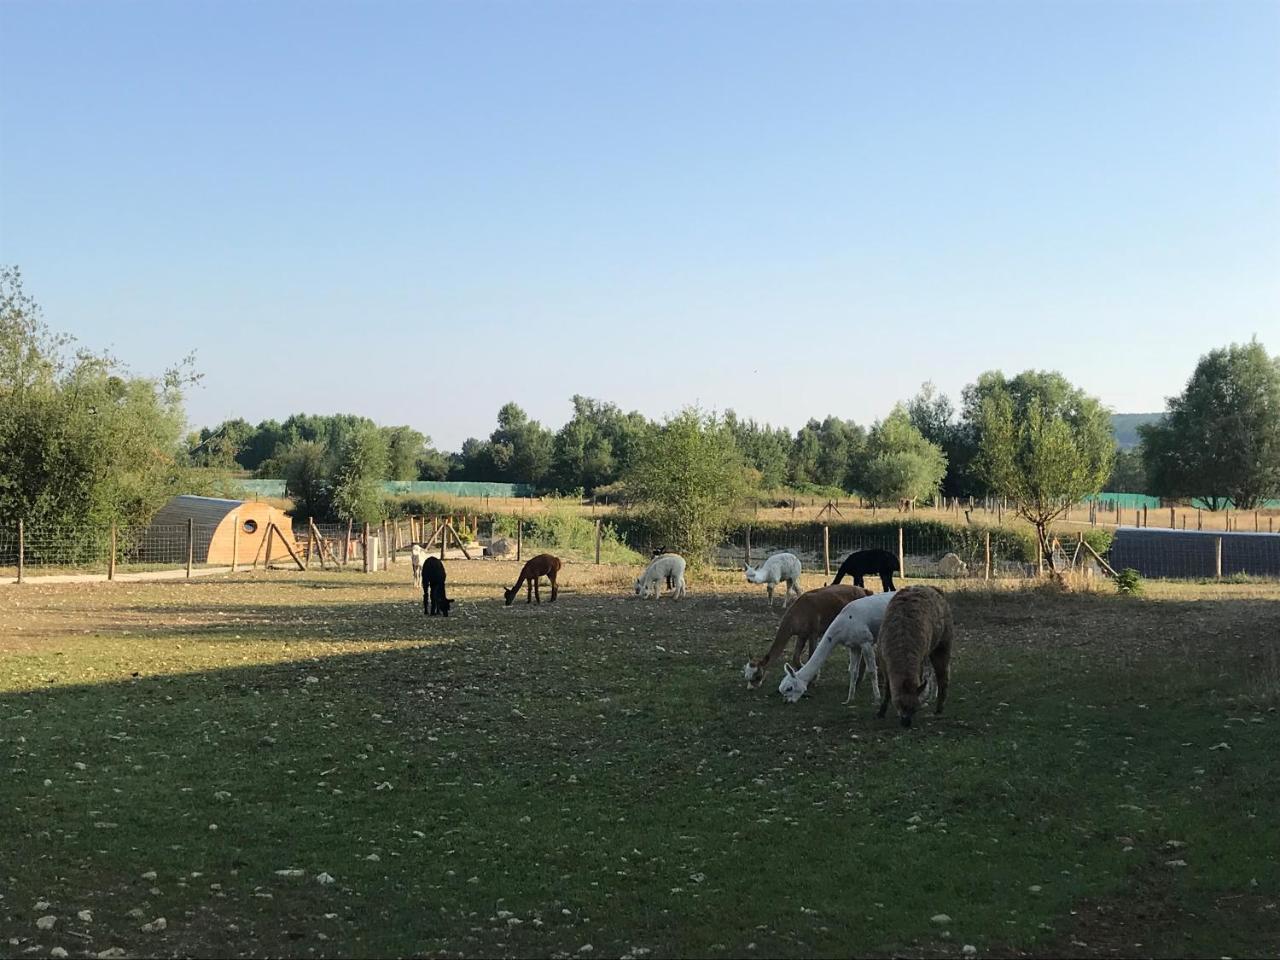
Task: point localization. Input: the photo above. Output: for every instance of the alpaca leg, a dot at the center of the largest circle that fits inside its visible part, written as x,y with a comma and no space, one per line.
882,686
769,589
537,589
528,589
941,660
555,591
426,606
855,672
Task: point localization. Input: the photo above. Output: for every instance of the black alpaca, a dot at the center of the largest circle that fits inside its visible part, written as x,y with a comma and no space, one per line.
671,581
433,597
865,562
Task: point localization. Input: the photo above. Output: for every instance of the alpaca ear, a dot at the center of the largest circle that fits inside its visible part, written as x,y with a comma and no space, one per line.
790,669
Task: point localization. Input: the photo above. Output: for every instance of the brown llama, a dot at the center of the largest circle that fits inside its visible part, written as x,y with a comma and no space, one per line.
806,619
917,625
543,565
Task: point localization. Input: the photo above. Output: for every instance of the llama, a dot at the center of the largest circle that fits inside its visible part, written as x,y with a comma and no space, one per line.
854,627
779,567
863,562
543,565
433,595
806,619
917,625
668,567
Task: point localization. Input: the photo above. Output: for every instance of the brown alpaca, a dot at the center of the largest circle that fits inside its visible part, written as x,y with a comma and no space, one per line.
543,565
917,624
807,619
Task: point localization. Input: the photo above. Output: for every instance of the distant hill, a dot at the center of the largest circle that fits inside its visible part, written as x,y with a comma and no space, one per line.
1126,427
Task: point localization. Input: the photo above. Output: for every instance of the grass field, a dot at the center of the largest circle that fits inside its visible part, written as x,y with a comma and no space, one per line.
304,765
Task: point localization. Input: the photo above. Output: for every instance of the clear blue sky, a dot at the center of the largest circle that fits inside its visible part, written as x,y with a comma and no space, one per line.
418,211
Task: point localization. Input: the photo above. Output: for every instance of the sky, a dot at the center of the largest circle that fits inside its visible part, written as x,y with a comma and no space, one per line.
419,211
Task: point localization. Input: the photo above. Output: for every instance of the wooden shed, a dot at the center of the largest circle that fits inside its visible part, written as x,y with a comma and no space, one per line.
218,528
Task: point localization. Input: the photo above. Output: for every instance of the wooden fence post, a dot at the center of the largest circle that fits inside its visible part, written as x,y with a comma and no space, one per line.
519,538
111,560
364,545
21,551
1172,522
902,557
597,541
748,543
235,542
306,563
1217,558
191,544
386,545
1199,519
346,545
826,548
987,566
1039,558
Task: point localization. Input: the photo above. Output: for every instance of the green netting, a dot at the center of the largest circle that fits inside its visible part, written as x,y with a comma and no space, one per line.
261,488
275,488
1132,501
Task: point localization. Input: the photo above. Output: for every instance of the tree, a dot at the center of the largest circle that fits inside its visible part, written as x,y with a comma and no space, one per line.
520,447
764,447
405,449
357,487
900,463
307,469
1128,475
1219,439
82,441
688,482
934,416
1043,444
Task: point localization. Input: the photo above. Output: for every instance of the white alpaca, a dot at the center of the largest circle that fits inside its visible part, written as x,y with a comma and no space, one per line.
416,555
855,627
655,575
779,567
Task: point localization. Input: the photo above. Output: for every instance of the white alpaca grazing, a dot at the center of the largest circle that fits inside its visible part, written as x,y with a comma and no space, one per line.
779,567
667,565
416,555
855,627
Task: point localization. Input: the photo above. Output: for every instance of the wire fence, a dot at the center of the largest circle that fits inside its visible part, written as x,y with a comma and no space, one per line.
930,550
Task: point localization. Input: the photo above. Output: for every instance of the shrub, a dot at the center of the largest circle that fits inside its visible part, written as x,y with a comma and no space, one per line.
1129,582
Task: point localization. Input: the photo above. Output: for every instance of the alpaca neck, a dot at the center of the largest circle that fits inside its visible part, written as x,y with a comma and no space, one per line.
815,662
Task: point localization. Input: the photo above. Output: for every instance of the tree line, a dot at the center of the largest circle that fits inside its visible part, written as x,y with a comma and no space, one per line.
84,440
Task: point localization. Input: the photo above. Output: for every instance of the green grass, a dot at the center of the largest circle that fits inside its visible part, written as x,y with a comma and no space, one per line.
596,771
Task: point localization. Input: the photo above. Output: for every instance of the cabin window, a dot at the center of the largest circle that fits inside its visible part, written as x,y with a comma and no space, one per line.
250,526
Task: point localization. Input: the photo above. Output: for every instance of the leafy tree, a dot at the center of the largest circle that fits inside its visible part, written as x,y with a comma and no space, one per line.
764,447
357,488
434,465
220,446
1128,475
933,414
307,468
405,448
520,447
1043,444
900,463
81,440
806,451
582,453
1219,439
688,482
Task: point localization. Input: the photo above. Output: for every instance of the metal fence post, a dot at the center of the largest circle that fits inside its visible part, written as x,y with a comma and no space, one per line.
902,557
111,560
826,548
1217,558
191,548
987,567
21,551
597,541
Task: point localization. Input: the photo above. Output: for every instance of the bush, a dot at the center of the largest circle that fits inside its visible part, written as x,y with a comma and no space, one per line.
560,528
415,505
1129,582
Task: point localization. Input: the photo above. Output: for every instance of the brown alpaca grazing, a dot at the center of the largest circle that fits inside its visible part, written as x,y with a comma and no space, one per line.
917,625
807,619
543,565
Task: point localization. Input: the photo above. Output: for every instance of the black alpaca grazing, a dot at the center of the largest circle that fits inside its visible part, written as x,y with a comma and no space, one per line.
433,598
671,581
865,562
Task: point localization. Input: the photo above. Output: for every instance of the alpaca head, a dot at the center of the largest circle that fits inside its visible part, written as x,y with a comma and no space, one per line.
907,700
752,576
509,595
445,605
640,591
793,685
753,673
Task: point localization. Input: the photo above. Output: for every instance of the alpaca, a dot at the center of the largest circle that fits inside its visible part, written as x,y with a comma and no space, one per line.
543,565
863,562
806,619
433,595
917,625
668,567
779,567
416,555
854,627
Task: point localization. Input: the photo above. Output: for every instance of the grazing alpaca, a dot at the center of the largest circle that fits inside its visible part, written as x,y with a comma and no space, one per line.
543,565
805,619
854,627
668,567
864,562
416,555
779,567
917,625
433,597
